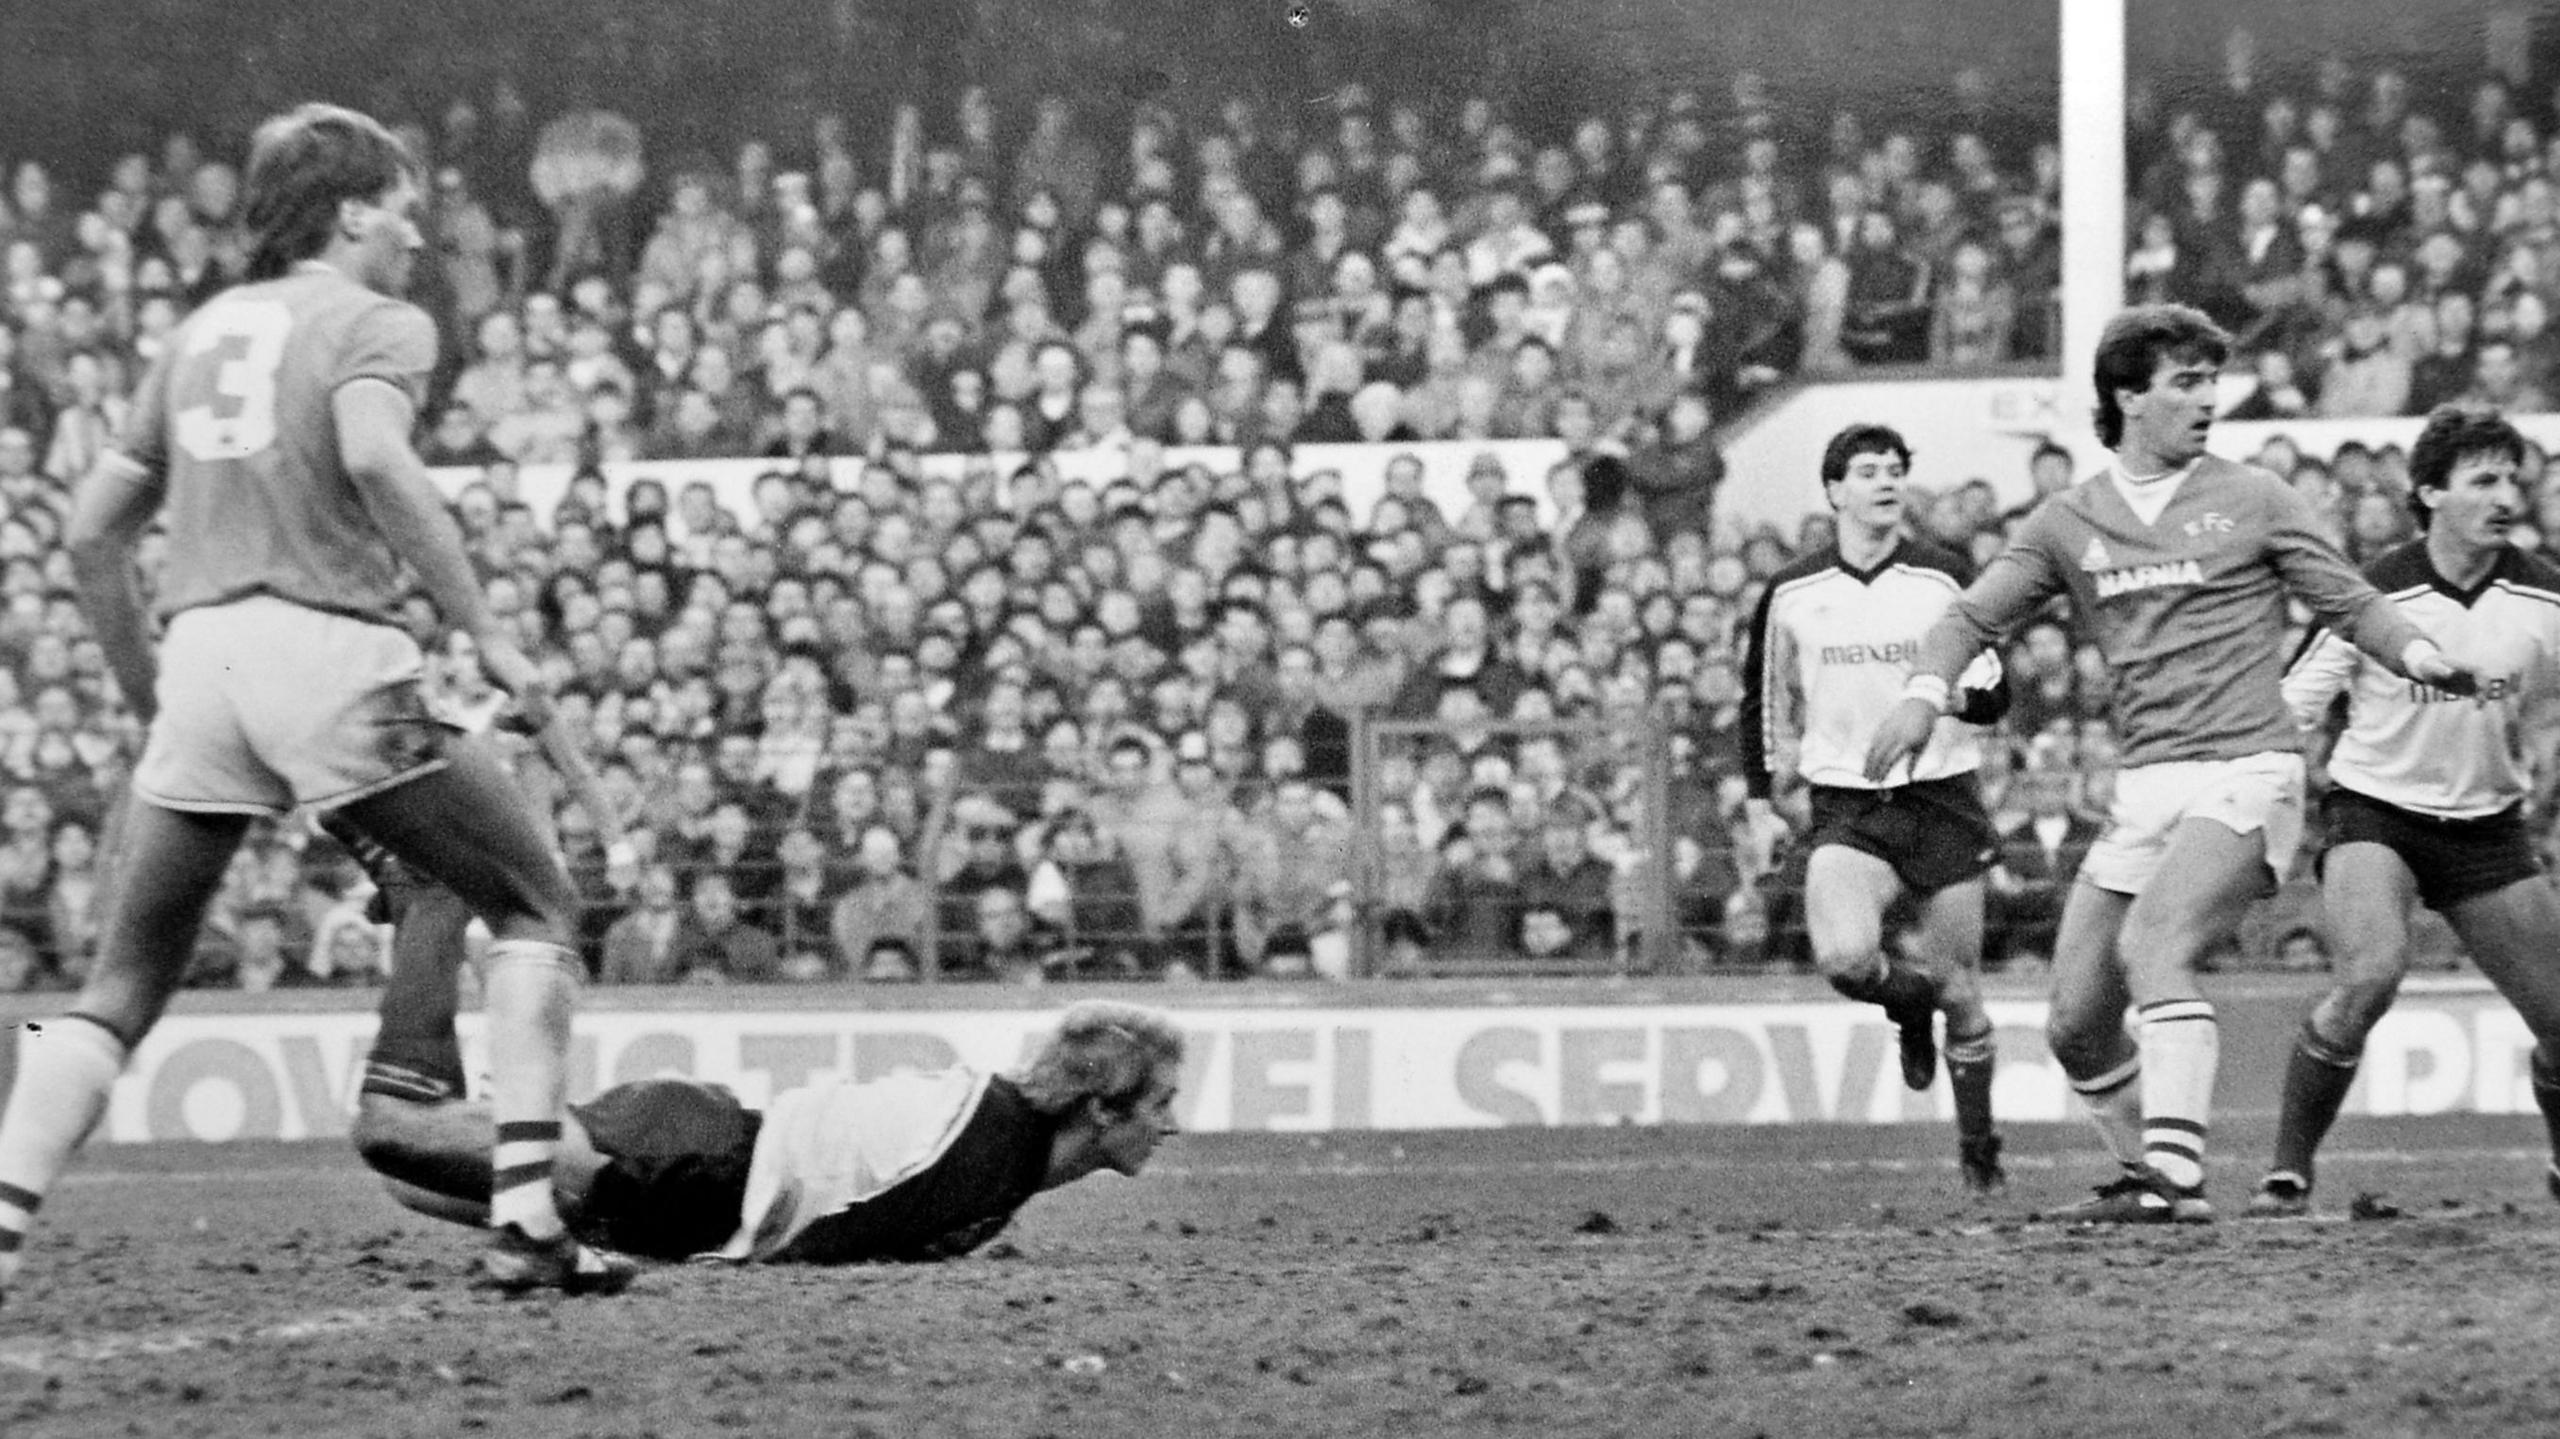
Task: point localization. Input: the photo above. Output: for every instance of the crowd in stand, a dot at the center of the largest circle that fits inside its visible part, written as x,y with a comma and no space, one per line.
1012,725
2378,250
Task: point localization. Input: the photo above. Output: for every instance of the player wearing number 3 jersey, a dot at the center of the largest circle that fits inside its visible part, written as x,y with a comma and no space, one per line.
273,437
243,413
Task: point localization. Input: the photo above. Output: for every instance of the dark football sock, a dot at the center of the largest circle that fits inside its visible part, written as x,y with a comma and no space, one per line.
2317,1077
1970,1061
416,1053
1899,990
2546,1094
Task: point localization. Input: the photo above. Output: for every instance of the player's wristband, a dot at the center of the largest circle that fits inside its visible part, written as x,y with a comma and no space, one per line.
2418,649
1928,689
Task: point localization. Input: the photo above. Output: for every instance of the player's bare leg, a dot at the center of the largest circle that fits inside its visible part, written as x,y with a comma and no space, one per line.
1949,939
469,827
2085,1028
167,873
2191,906
1846,894
2084,1024
433,1156
2509,933
2367,890
415,1065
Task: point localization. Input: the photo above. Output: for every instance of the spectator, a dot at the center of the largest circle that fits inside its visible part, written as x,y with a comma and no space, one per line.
2279,394
2365,376
802,909
1473,909
1566,903
265,950
2498,381
651,943
2040,852
884,905
1002,941
71,911
1975,319
1294,884
716,944
1467,658
1886,309
1084,891
1677,476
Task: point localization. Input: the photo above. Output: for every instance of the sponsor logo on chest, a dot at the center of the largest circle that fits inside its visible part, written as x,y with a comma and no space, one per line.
2133,578
1892,652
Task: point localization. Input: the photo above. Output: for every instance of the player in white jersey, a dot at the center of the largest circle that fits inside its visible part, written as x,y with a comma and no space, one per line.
1831,645
2428,791
2179,566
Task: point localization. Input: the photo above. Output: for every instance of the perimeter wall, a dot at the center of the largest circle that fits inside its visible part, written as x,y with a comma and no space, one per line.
1378,1055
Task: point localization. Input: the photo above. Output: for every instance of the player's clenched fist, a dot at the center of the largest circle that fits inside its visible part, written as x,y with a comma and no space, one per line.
2429,665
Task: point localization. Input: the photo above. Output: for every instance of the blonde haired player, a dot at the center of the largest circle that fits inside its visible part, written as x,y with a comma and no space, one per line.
909,1166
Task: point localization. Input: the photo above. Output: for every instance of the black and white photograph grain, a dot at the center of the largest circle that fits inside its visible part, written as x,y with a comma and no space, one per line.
1279,719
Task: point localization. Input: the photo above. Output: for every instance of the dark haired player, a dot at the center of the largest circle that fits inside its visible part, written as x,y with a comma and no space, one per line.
272,437
2428,790
2178,564
1831,645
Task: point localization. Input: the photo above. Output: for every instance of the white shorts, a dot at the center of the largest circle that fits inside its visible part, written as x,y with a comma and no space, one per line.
266,704
2258,794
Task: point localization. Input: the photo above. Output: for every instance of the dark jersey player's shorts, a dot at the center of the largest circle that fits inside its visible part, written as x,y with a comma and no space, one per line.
1934,832
676,1173
2452,859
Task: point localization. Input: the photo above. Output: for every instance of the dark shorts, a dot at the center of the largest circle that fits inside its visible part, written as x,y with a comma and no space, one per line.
676,1176
1934,832
2452,859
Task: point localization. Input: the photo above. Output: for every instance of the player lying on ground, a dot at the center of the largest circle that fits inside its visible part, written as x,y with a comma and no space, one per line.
2428,792
271,439
907,1167
2180,565
1830,648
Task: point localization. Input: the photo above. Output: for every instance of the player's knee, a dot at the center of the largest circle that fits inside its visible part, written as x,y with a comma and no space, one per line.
1844,953
2087,1044
2359,1005
539,904
2163,949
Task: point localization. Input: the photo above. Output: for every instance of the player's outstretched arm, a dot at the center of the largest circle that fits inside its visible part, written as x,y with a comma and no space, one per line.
374,418
561,751
2320,577
113,504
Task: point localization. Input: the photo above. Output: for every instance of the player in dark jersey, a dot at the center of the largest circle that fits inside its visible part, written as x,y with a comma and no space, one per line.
2179,564
2429,793
272,436
1831,645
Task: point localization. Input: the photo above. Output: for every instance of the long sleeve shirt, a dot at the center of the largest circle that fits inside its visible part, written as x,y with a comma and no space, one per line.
2419,747
2186,603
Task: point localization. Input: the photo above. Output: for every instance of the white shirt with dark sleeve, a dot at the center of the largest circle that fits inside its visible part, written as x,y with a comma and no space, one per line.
2414,745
